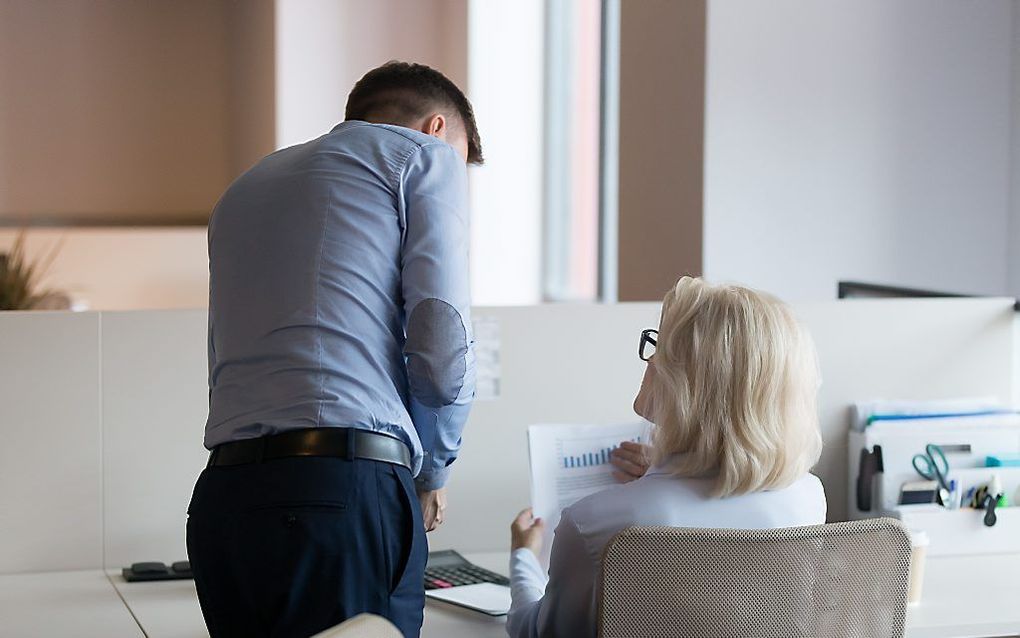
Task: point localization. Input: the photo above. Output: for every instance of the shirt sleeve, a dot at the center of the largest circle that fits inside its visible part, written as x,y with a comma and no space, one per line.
568,606
436,288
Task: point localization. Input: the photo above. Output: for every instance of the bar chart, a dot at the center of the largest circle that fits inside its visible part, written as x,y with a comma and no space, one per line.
588,453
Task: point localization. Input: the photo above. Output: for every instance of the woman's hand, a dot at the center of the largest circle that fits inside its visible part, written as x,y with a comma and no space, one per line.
630,460
526,532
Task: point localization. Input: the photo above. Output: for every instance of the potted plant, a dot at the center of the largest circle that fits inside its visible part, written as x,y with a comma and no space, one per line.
19,280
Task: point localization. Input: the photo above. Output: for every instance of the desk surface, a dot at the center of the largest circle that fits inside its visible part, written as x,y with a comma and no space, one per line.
964,597
169,609
968,596
53,604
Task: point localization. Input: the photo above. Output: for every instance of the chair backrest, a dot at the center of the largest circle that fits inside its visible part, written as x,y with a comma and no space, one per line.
362,626
839,580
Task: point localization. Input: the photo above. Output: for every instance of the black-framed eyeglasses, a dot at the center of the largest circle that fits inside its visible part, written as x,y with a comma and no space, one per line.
649,339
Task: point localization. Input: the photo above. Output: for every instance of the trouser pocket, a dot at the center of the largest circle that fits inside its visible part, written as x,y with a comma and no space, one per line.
407,589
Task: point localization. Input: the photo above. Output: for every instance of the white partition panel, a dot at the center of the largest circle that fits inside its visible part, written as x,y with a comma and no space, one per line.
566,363
571,363
579,364
155,400
902,349
50,459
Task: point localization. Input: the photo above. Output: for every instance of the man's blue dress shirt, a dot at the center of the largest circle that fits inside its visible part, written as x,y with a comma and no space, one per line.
338,294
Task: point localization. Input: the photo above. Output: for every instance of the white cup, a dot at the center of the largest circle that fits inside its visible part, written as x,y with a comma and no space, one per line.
918,554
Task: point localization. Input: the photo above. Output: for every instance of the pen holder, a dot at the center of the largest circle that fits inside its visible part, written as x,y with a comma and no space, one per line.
965,531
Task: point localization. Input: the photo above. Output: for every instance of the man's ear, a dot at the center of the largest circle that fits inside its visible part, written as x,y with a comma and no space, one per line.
436,126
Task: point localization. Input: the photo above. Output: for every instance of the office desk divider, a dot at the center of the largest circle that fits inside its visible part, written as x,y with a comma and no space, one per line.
103,412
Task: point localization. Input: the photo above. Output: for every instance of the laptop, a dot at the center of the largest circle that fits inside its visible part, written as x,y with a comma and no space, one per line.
451,578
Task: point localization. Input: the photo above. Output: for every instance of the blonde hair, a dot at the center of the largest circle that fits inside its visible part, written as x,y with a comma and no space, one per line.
734,388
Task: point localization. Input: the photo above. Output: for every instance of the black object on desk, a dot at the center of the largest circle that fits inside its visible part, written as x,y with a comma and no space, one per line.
157,571
870,464
447,568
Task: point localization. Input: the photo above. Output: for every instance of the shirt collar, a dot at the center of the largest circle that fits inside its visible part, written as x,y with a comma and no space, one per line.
346,124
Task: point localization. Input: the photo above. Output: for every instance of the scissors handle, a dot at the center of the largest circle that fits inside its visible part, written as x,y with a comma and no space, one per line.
937,458
932,465
924,466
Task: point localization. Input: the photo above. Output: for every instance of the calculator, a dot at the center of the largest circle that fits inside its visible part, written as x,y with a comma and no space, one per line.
447,569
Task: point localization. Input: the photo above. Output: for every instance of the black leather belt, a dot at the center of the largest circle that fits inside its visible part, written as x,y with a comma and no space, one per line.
349,443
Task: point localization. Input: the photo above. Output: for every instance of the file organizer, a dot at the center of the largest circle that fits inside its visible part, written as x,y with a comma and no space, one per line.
967,441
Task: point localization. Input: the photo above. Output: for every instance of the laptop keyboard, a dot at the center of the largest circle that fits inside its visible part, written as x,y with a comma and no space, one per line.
454,576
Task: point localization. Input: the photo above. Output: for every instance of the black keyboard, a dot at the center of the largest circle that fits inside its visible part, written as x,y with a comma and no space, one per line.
449,569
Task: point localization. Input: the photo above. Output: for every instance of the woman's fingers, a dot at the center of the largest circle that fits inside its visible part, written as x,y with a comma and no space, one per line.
524,520
634,447
631,452
632,470
526,531
636,452
623,477
631,460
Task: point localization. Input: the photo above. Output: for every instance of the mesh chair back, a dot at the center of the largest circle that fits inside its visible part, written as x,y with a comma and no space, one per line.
834,581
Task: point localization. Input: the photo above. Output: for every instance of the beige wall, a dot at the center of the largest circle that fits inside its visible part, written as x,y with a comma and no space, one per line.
111,109
251,82
123,268
662,114
143,111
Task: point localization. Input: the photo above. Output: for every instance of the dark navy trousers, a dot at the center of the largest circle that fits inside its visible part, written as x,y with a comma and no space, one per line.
290,547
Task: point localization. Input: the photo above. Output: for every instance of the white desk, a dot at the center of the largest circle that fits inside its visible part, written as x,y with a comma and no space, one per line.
968,597
963,598
169,609
165,609
53,604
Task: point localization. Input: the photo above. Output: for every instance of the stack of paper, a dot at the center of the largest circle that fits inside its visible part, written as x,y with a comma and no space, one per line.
865,413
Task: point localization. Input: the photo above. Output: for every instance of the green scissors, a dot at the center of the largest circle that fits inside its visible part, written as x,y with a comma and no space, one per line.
933,466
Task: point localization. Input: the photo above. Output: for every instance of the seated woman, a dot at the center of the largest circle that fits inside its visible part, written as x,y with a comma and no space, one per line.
731,390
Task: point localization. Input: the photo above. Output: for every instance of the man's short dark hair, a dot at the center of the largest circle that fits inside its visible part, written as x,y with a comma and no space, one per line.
409,91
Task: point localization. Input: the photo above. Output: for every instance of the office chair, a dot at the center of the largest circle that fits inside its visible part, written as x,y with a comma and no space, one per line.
362,626
833,581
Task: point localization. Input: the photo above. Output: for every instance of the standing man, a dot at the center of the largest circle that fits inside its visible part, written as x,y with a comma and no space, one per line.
341,368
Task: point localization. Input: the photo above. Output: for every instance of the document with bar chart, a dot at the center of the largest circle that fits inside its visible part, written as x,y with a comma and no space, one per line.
569,462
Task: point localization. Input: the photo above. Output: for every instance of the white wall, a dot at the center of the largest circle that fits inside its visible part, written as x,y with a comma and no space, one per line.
1014,230
324,46
308,104
859,139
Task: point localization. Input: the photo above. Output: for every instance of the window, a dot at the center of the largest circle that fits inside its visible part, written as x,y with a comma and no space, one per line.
535,77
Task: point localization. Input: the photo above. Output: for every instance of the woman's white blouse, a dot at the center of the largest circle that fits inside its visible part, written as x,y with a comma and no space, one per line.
567,607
